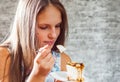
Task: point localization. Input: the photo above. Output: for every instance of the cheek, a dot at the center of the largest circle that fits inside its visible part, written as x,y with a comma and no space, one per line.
40,35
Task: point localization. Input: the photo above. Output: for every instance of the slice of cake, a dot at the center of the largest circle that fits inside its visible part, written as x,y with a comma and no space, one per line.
74,71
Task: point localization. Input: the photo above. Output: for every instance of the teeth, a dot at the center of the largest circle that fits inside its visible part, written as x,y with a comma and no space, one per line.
61,48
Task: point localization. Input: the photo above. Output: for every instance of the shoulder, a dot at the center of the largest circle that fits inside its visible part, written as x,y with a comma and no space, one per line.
65,56
64,60
4,52
4,61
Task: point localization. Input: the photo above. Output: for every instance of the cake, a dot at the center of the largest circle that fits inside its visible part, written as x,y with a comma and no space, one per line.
74,71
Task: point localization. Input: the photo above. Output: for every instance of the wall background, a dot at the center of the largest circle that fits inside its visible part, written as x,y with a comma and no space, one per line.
94,35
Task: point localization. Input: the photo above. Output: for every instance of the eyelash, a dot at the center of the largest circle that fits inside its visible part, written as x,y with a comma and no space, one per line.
59,25
45,27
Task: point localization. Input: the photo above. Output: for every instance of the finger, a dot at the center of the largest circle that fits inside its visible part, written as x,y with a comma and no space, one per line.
48,57
57,80
42,52
42,48
45,53
51,61
41,56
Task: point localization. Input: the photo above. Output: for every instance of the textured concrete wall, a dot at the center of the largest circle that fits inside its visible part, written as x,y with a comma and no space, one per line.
94,35
7,11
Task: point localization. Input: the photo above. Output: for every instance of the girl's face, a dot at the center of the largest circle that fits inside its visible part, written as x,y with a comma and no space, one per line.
48,26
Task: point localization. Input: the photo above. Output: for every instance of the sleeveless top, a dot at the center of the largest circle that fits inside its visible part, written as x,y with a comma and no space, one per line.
56,66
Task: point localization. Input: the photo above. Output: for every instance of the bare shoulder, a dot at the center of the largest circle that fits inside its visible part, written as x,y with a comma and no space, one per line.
4,51
4,62
66,57
64,60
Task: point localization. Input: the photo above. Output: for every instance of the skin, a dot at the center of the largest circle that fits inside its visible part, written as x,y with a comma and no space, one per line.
47,31
48,28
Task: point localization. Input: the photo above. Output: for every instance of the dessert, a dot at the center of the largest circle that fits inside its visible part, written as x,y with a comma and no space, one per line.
61,48
74,71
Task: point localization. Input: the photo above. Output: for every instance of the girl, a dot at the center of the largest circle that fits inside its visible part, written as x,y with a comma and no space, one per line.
29,53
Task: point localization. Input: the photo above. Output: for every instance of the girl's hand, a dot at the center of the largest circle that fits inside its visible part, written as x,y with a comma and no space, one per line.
43,63
57,80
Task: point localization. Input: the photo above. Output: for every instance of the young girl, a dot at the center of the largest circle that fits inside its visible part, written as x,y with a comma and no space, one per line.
29,53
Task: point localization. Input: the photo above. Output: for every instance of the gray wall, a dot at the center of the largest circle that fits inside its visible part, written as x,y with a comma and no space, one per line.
7,11
94,35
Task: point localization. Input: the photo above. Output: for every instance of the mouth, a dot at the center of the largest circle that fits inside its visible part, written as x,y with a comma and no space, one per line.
50,43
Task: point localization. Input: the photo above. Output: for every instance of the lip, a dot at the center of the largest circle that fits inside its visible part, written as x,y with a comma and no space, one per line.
49,42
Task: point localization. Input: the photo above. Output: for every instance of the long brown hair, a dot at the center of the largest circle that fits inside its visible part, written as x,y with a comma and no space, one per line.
22,40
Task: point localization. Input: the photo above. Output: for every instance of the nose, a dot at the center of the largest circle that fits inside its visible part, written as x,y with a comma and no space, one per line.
53,33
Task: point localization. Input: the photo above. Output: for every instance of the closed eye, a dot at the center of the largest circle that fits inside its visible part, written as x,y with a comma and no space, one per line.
58,25
43,27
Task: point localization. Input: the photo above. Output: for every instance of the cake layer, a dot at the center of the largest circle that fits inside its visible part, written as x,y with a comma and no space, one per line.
74,71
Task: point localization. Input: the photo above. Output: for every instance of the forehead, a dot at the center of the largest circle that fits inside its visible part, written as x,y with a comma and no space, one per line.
50,14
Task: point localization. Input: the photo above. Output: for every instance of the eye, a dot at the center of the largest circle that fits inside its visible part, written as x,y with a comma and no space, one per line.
43,27
58,25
